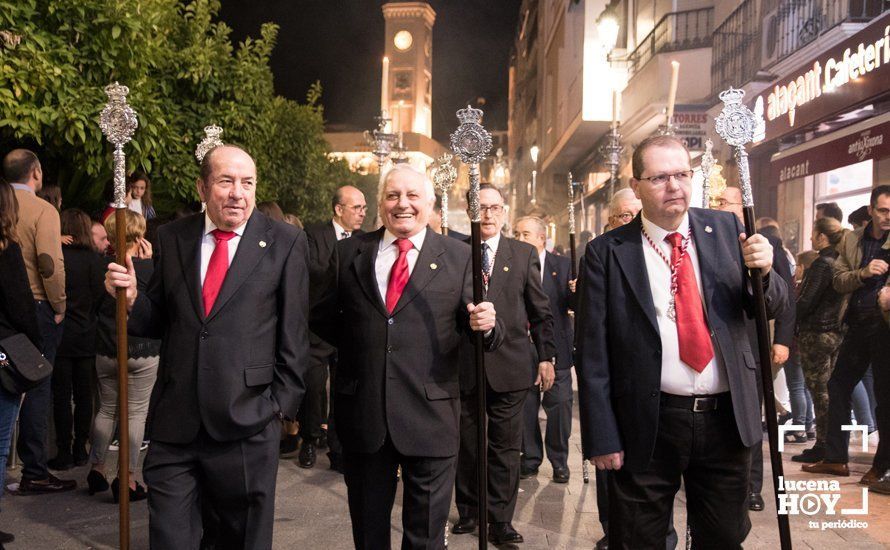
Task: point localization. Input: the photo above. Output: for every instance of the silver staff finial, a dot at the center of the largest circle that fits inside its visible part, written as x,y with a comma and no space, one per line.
736,124
444,175
707,165
211,141
118,122
471,142
571,204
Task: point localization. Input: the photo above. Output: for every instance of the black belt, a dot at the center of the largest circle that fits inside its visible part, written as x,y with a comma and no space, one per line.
696,403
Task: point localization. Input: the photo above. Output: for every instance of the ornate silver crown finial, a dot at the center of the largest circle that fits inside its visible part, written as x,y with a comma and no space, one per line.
735,123
732,96
211,140
469,115
118,120
444,173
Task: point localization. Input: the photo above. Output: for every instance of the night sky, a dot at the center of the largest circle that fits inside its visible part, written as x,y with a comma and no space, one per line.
340,43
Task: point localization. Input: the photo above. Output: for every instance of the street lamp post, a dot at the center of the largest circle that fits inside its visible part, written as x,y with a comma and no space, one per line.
612,150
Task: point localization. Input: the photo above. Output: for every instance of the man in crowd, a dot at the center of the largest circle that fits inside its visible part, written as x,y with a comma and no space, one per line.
860,272
40,236
512,275
667,385
100,237
229,299
859,218
349,208
398,308
829,210
557,402
623,208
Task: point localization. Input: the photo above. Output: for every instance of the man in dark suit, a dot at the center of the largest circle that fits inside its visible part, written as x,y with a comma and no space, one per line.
512,270
229,299
349,209
399,306
557,402
667,384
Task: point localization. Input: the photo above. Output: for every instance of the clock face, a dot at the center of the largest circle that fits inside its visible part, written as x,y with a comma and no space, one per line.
403,41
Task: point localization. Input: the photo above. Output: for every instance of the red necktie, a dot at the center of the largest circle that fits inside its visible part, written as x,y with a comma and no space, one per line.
216,269
398,276
694,338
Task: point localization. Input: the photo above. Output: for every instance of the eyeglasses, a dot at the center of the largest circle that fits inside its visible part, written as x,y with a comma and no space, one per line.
661,179
723,203
494,209
625,216
357,208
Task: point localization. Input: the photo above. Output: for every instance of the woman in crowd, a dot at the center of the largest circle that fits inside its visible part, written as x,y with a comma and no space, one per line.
53,195
17,315
142,367
73,374
819,327
139,195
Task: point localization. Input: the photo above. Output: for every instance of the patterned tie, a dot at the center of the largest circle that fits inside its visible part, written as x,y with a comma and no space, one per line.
486,264
398,276
344,235
217,268
694,338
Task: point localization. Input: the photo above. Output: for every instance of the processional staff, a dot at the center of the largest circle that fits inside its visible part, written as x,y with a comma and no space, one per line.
471,142
735,124
707,166
444,175
118,122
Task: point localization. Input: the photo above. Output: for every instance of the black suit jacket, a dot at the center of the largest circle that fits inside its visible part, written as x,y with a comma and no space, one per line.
397,374
234,370
519,300
557,273
618,344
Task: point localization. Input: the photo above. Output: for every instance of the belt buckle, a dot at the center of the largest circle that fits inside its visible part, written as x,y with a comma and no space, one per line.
704,404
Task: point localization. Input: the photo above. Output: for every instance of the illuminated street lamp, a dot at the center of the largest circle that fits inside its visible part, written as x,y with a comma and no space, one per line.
533,151
607,29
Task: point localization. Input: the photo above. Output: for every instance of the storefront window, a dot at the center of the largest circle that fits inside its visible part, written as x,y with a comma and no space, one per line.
848,186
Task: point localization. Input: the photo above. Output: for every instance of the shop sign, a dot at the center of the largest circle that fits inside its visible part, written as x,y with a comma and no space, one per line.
872,143
691,126
854,71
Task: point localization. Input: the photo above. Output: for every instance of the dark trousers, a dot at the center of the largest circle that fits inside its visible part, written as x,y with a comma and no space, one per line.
237,478
706,452
371,480
863,345
602,506
557,404
73,376
313,409
755,461
505,422
32,442
334,446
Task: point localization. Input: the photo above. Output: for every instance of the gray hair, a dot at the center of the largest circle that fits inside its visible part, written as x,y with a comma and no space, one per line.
398,168
621,195
542,227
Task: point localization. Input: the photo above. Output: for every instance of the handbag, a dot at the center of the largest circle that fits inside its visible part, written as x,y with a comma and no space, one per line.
22,366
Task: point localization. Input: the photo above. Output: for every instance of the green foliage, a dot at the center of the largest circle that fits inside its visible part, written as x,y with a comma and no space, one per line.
183,74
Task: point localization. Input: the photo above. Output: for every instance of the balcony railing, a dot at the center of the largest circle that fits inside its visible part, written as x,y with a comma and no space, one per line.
682,30
760,33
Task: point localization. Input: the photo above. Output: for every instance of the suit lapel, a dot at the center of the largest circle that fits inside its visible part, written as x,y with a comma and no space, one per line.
551,276
706,250
500,270
254,243
629,253
364,265
188,242
423,271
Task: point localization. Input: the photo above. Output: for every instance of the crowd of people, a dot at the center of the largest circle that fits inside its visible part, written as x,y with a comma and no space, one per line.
253,339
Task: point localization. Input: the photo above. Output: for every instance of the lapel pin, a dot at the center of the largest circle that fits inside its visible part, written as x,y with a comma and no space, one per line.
433,266
554,274
708,229
262,244
506,268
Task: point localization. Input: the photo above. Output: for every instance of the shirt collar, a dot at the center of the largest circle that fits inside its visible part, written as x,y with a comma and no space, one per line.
388,239
210,226
493,243
338,230
658,234
543,257
22,187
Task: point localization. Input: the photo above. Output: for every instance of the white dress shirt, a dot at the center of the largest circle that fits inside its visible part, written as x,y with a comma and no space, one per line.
676,376
209,243
338,231
543,256
388,253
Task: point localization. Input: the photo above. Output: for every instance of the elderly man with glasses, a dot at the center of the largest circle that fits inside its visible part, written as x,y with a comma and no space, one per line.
623,208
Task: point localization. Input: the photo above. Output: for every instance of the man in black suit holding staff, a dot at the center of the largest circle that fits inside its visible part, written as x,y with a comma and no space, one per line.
398,309
229,300
666,375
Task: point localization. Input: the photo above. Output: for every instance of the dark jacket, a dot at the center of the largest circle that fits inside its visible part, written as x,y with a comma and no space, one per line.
106,335
85,289
557,273
819,305
618,358
18,313
519,300
232,371
397,374
783,328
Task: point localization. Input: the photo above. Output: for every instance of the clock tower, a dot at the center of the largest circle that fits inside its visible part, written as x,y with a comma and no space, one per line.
408,66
